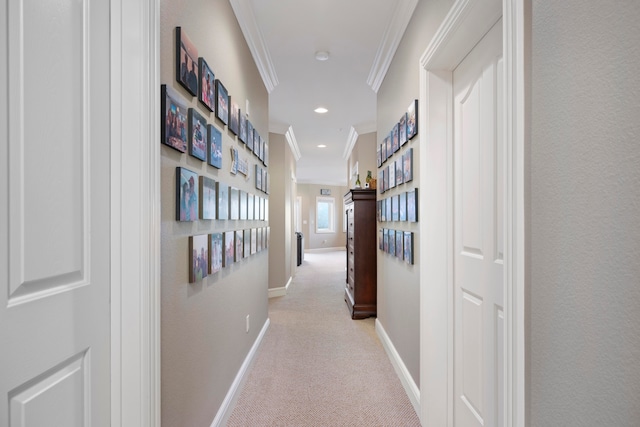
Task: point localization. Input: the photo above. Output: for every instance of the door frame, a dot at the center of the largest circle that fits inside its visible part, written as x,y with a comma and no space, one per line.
464,25
135,213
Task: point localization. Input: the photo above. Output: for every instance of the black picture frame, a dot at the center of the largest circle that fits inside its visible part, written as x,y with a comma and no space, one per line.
214,157
402,129
187,204
222,102
412,205
174,116
197,135
234,117
207,86
407,165
412,120
399,241
242,136
250,132
186,62
408,247
402,208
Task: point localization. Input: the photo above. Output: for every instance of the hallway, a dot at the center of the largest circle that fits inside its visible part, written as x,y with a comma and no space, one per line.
318,367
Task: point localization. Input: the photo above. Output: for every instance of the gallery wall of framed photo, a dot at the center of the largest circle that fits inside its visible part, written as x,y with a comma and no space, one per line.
397,203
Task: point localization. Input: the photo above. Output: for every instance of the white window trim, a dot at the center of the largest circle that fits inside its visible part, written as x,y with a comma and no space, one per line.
332,215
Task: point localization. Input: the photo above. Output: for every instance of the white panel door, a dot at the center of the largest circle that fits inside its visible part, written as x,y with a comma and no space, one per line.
54,215
478,234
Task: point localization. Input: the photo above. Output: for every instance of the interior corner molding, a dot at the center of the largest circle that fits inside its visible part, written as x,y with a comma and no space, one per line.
390,41
351,142
293,144
253,36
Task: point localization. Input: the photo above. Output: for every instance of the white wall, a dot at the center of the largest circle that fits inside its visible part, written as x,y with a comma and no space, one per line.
584,292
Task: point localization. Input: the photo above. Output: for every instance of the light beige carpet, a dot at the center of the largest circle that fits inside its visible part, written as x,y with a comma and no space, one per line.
316,366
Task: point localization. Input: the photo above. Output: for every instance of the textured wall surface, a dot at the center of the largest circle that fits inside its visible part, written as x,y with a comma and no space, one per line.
584,307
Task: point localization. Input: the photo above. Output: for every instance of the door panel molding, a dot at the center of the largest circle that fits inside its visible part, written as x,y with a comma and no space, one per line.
466,22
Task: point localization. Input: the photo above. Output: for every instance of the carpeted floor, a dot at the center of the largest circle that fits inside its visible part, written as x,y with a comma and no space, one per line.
316,366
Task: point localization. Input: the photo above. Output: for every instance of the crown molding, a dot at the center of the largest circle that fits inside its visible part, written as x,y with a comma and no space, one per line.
293,144
351,142
390,41
253,36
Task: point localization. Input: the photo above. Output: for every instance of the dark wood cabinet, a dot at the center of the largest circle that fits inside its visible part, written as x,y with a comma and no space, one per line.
361,289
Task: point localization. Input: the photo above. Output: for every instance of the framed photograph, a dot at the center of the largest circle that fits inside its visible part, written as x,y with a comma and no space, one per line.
186,62
250,132
208,198
383,151
402,207
380,238
408,247
215,252
229,241
379,156
207,91
234,160
247,244
265,180
381,188
234,203
239,245
256,141
222,102
383,210
399,241
265,154
412,120
389,140
402,129
174,119
395,208
197,135
389,213
259,240
186,195
258,175
412,205
242,136
215,147
198,257
222,190
395,133
254,241
407,161
392,242
243,205
234,118
392,175
399,171
385,237
251,206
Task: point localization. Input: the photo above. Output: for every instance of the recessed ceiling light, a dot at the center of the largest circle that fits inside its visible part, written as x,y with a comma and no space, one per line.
322,55
322,146
320,110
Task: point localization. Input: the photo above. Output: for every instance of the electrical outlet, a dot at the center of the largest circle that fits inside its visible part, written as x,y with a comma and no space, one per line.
247,323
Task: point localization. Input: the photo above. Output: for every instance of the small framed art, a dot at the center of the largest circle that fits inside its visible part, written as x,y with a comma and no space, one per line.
186,195
392,175
381,188
387,203
258,175
399,240
247,243
229,241
249,140
186,62
392,242
408,247
254,241
208,198
234,203
383,210
385,237
234,118
412,205
395,143
199,257
389,140
215,250
251,209
402,129
222,191
239,245
207,91
407,168
243,205
242,136
256,141
399,171
381,238
222,102
215,147
174,120
395,208
412,120
197,135
379,155
402,207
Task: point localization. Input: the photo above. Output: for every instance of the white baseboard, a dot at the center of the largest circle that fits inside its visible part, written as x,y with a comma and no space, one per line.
236,387
281,291
410,387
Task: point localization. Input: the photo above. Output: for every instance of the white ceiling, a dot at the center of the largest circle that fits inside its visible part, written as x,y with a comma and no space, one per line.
361,37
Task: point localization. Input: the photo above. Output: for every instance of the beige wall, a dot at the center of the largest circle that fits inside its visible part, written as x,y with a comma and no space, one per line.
583,333
282,194
204,341
398,282
364,155
313,240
